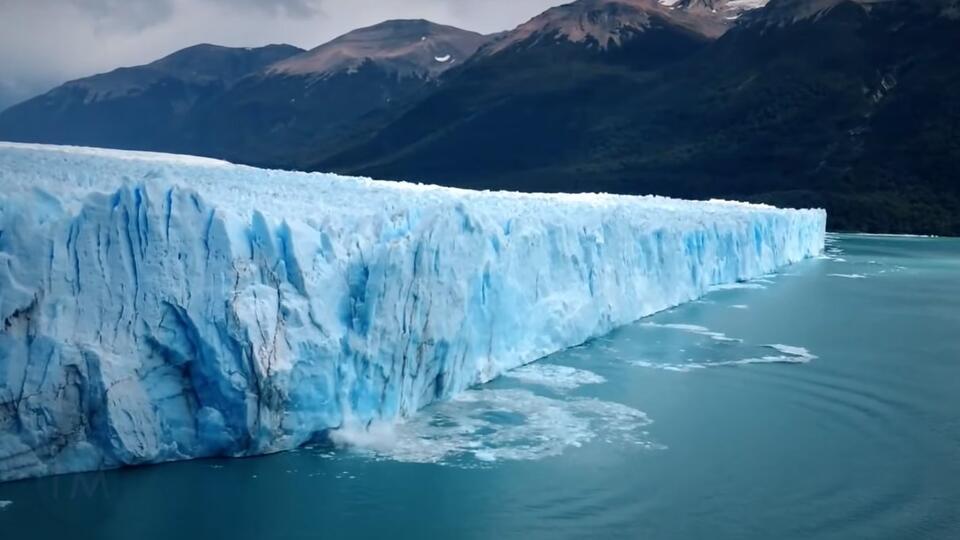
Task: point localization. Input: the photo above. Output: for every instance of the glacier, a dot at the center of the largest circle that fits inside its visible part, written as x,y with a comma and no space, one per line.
159,307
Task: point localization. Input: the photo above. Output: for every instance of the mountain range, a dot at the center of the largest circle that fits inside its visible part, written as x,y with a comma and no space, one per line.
849,105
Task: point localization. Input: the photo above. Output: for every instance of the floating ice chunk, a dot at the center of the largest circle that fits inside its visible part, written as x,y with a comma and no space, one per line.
691,366
5,504
849,276
680,368
791,350
734,286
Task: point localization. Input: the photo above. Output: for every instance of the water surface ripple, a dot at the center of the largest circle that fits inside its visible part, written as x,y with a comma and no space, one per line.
819,403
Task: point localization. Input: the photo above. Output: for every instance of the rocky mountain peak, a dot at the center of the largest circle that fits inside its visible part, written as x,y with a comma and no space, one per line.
406,47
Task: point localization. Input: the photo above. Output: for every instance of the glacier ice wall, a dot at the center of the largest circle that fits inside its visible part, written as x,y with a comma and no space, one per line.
160,307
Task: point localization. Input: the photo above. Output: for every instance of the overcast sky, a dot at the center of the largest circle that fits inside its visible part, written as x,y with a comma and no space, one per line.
46,42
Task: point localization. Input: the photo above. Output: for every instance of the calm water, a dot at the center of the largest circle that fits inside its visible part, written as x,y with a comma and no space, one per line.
820,403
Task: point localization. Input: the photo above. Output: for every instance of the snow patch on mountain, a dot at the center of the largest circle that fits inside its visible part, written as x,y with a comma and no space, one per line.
608,23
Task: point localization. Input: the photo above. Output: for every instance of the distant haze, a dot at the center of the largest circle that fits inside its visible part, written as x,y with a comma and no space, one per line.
46,42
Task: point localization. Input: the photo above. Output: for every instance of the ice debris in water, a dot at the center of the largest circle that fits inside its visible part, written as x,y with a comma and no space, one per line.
734,286
554,376
694,329
691,366
488,425
789,354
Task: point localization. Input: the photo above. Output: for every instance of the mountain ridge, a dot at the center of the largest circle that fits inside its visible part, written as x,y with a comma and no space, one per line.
312,99
414,47
138,107
842,104
849,110
604,23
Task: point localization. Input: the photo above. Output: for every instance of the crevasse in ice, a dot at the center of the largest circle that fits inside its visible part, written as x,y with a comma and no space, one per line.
160,307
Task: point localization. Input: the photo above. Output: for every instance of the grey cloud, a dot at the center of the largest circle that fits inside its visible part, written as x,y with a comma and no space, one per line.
290,8
123,15
120,15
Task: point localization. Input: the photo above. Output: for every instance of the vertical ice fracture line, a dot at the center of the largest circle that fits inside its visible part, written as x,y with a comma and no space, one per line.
158,307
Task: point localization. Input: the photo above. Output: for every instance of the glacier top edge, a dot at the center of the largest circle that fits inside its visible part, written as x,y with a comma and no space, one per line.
80,171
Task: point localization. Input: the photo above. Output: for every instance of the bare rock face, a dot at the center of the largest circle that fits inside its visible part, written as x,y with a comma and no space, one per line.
609,22
203,65
406,47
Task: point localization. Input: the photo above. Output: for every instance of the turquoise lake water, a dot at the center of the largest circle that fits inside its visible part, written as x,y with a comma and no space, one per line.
819,403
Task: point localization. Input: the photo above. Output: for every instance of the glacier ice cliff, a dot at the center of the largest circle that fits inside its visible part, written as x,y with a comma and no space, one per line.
160,307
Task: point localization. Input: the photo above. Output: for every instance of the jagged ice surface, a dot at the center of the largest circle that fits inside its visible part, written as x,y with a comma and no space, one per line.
160,307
